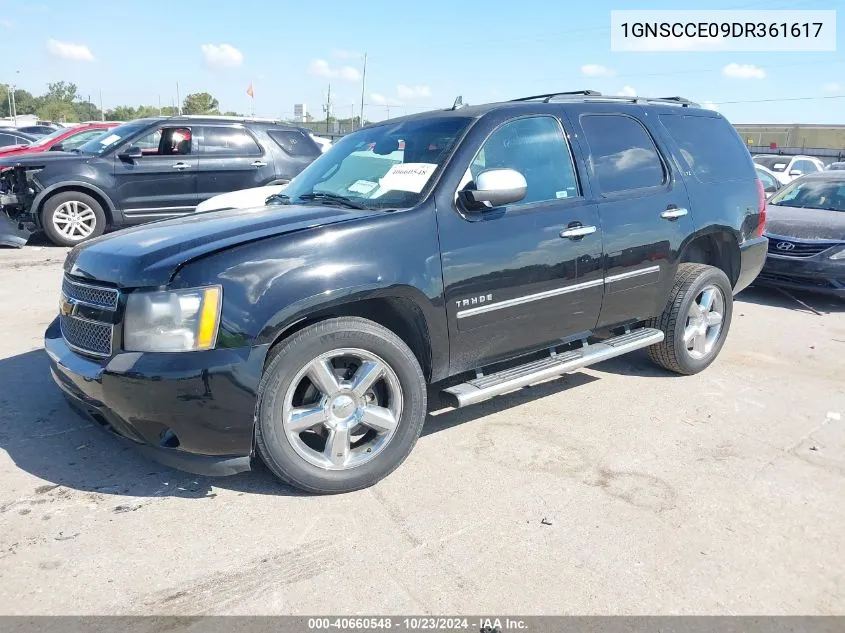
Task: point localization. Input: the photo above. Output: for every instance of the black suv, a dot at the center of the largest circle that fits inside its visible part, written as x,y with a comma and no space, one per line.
495,246
145,170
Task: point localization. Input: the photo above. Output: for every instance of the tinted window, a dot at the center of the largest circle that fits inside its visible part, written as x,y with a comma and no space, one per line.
769,183
83,137
228,141
622,153
818,193
7,139
295,143
537,149
166,141
710,147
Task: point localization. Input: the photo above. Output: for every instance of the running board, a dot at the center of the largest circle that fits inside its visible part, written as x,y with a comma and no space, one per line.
486,387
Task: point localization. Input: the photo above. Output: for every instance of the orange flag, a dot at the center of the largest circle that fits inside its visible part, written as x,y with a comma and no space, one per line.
250,91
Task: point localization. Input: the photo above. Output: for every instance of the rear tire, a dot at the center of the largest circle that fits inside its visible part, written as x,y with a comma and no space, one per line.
696,320
72,217
341,430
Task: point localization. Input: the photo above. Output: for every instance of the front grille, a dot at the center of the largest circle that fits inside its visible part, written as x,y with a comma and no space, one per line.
89,337
98,296
797,248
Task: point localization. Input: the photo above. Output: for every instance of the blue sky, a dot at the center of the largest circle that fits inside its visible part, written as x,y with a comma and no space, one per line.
420,55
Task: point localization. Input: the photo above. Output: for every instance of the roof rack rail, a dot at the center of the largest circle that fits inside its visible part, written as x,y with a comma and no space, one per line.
548,97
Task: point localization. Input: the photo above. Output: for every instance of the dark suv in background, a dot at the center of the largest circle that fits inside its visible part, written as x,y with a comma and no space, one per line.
144,170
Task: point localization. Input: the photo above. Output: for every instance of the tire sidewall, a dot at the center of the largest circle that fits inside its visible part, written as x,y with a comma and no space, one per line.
284,368
52,203
710,277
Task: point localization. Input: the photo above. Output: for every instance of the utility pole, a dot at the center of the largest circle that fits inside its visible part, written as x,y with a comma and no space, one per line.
102,112
14,107
388,110
363,89
9,88
328,107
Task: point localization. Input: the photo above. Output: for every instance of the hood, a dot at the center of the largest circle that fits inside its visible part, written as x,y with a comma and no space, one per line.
805,224
38,159
149,255
242,199
10,150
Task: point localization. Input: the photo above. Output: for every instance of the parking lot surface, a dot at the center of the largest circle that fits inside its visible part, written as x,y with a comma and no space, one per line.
621,489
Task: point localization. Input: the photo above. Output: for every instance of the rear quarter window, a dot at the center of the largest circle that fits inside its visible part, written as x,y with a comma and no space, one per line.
295,143
710,147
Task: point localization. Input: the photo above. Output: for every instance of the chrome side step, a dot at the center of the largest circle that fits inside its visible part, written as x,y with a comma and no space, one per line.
486,387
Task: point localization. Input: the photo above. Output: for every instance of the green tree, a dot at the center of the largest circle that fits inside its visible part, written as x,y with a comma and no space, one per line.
200,103
61,91
87,111
121,113
25,103
60,111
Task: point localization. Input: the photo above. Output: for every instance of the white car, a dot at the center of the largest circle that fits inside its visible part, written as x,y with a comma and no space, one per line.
788,168
324,143
242,199
771,184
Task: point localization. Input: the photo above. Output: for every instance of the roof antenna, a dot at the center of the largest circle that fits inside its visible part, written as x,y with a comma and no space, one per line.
459,103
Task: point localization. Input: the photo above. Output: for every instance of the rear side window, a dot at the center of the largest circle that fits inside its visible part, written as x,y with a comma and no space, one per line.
295,143
622,153
710,147
228,141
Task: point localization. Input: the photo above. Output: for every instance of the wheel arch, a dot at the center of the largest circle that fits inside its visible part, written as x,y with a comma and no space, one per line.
715,246
83,187
397,309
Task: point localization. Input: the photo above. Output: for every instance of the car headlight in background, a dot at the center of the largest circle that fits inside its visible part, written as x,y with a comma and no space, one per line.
172,320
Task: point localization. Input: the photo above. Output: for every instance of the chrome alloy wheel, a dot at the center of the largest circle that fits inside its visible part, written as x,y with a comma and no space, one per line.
75,220
342,409
704,322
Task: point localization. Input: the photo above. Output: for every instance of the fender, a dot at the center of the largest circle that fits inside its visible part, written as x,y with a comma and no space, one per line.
38,202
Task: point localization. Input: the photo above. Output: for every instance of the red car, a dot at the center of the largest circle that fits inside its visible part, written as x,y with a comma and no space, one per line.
64,139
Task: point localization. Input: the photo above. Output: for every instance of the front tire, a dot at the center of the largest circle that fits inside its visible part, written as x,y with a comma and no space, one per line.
696,320
340,406
71,217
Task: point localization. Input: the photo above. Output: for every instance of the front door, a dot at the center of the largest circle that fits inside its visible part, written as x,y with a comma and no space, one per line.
230,159
644,210
163,181
527,274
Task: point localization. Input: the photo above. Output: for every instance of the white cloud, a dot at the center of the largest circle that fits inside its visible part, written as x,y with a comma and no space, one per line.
709,105
597,70
832,87
221,56
627,91
321,68
7,24
412,92
341,53
743,71
68,50
380,99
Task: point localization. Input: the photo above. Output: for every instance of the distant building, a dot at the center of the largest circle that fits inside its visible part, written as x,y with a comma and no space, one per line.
23,120
300,112
797,135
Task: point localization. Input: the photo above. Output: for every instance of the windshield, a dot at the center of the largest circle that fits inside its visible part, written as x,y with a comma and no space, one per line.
775,163
827,194
46,140
101,144
386,166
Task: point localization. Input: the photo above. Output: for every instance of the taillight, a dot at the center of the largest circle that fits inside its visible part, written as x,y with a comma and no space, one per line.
761,205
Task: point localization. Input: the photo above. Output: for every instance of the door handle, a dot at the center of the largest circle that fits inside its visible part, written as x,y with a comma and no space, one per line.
259,163
576,232
181,166
673,214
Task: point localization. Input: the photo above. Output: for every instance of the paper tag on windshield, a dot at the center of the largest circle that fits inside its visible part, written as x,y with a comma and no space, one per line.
362,186
407,177
780,166
111,138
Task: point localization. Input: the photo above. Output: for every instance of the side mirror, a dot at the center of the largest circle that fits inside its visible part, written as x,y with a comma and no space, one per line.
796,172
58,147
494,188
130,153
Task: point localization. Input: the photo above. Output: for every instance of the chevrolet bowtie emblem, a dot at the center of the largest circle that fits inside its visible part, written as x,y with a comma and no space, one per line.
66,306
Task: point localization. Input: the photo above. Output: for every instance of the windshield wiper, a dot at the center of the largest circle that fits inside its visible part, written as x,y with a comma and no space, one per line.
324,196
277,198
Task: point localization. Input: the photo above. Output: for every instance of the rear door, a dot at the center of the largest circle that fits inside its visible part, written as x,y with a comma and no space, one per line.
163,181
230,159
643,207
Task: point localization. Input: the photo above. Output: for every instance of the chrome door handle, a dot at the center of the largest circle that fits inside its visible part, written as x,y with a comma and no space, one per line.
181,166
673,214
577,231
259,163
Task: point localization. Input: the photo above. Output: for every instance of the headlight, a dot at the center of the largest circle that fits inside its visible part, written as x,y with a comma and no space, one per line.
172,321
839,255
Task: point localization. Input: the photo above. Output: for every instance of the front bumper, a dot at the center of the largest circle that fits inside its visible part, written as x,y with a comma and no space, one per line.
752,257
816,274
192,411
